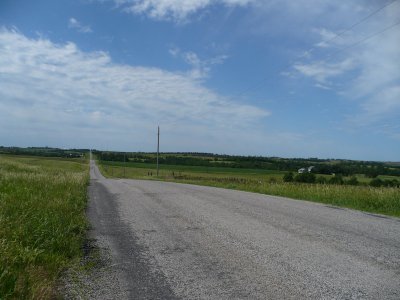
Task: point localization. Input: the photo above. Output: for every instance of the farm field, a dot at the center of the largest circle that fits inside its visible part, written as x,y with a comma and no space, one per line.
42,222
383,200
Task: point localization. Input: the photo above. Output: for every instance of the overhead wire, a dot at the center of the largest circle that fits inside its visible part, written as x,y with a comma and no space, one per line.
364,39
359,22
333,38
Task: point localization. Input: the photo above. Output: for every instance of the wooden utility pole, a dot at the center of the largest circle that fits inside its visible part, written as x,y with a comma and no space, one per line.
158,146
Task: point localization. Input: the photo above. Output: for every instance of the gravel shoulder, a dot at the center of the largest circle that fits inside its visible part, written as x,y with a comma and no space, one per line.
171,241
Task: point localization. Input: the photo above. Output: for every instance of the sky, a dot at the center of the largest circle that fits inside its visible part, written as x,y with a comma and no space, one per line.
305,78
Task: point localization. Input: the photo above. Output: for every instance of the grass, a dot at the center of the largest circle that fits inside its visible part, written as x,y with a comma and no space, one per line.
375,200
42,223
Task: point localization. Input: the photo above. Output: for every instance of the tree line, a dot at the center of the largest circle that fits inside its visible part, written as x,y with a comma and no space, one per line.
321,166
338,180
44,151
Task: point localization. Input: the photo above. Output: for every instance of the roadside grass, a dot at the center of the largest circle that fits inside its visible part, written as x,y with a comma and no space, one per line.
382,200
42,222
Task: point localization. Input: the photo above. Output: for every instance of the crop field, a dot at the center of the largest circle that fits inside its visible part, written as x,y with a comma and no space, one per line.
42,222
383,200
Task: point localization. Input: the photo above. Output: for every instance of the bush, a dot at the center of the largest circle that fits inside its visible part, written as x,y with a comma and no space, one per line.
390,183
288,177
352,181
305,177
321,180
337,179
376,182
395,183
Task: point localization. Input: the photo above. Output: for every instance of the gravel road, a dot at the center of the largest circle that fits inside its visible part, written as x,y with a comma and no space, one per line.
176,241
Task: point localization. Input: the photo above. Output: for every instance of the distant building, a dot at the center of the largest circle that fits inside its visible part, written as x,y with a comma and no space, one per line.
305,170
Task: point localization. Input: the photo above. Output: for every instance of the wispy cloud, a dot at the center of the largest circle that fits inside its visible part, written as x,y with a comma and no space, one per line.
322,71
200,68
75,24
175,10
58,90
367,73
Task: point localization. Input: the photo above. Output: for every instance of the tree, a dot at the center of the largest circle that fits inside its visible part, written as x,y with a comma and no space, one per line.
288,177
337,179
352,181
372,172
376,182
305,177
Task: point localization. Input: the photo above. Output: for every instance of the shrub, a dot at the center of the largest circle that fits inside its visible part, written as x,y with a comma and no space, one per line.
390,183
337,179
321,180
376,182
395,183
305,177
288,177
352,181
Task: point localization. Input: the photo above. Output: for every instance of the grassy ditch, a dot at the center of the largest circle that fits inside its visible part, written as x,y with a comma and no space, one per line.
383,200
42,222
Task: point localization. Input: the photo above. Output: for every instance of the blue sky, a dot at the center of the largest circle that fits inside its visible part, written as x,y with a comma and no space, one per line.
253,77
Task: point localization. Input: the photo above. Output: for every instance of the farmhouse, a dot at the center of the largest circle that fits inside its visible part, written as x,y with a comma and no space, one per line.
304,170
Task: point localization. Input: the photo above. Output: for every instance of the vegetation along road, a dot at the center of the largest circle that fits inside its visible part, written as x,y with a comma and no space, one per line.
180,241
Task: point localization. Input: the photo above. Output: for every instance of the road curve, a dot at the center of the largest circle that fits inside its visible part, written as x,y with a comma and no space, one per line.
177,241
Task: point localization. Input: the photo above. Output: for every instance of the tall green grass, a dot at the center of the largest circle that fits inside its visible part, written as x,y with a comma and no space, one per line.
381,200
42,223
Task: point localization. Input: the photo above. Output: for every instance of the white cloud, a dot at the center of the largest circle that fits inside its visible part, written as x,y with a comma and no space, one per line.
75,24
384,102
366,73
176,10
174,51
200,69
322,71
328,38
60,92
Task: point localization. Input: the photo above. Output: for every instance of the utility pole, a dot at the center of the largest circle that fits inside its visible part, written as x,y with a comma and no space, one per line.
158,146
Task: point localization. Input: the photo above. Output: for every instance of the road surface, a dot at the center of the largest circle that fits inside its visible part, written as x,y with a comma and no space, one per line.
177,241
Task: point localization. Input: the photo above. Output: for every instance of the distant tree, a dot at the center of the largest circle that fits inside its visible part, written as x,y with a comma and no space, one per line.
372,172
337,179
352,181
395,183
376,182
390,183
305,177
288,177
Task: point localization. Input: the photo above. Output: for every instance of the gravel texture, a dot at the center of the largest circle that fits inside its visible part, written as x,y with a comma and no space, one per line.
170,241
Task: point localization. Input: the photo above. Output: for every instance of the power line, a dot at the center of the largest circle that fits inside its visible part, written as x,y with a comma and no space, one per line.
359,22
364,39
331,39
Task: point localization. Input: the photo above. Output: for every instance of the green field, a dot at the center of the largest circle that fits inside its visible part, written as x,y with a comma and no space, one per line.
42,223
384,200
